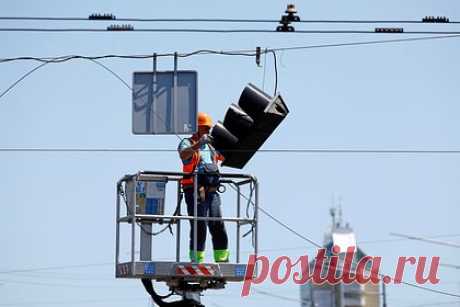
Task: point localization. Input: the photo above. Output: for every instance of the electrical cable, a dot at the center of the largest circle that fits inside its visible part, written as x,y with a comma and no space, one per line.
213,20
284,225
417,238
382,275
276,72
428,289
298,151
95,61
223,31
281,297
60,276
112,72
67,302
52,268
61,59
278,221
320,246
265,70
246,52
48,62
34,283
414,285
373,42
248,206
198,52
21,78
435,304
66,58
379,241
452,266
289,228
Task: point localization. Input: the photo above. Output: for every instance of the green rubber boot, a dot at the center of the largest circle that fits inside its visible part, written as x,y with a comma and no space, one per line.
221,255
199,256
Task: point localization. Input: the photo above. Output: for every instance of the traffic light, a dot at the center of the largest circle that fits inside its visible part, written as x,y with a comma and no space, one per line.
247,125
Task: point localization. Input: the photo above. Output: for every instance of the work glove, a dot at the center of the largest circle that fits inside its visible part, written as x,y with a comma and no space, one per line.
205,139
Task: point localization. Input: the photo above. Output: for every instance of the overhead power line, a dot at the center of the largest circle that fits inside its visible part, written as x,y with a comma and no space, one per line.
95,59
61,59
244,52
52,268
284,225
121,29
281,297
426,240
300,151
76,302
435,304
374,42
46,284
379,241
213,20
250,53
67,276
452,266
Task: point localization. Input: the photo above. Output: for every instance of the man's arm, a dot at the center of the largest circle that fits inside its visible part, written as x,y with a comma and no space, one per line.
187,152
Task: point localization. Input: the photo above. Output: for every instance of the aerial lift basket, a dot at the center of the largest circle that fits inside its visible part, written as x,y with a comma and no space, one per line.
144,196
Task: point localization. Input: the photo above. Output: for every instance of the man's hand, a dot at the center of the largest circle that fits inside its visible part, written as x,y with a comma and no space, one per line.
205,139
188,152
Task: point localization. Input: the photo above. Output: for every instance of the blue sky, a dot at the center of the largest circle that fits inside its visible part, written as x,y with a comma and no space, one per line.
59,208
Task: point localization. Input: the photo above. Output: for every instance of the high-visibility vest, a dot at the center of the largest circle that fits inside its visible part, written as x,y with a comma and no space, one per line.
190,166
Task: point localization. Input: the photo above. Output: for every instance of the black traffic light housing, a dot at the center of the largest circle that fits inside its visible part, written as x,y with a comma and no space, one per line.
247,125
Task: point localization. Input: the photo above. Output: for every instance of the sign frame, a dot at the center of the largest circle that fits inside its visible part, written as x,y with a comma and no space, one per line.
173,125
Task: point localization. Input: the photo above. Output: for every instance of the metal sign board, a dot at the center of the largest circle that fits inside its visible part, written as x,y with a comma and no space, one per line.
165,102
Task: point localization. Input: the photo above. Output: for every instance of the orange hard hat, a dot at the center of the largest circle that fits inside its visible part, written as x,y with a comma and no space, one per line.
204,120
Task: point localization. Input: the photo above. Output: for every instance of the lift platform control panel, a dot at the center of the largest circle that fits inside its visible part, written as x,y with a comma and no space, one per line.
146,197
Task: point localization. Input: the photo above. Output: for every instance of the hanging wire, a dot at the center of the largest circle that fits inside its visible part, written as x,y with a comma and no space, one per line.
284,225
249,53
22,78
113,73
243,52
265,69
95,61
276,72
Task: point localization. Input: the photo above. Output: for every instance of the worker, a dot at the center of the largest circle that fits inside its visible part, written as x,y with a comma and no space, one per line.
197,153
